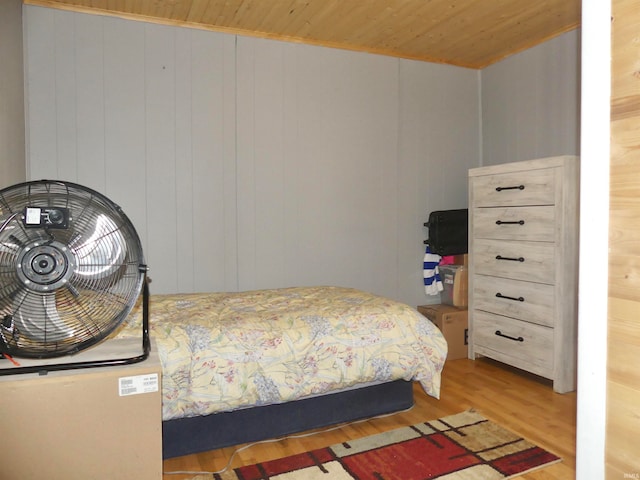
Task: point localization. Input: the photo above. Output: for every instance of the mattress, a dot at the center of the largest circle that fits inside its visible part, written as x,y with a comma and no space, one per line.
226,351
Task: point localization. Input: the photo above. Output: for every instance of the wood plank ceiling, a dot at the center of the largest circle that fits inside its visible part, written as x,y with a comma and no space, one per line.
467,33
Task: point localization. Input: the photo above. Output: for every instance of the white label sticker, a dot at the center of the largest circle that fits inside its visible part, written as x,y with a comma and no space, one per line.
33,216
138,384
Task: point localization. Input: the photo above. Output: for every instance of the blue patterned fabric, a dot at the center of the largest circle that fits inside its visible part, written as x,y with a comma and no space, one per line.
432,281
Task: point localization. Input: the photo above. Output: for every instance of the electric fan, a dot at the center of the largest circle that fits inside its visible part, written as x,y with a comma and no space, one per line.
71,271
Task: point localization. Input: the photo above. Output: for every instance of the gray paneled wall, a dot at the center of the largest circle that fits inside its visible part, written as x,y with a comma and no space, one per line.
248,163
531,103
439,108
316,166
12,150
144,114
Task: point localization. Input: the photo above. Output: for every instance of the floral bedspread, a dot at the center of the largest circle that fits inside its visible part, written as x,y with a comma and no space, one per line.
224,351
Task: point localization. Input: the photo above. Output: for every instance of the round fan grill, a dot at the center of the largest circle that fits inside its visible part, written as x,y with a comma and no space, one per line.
71,268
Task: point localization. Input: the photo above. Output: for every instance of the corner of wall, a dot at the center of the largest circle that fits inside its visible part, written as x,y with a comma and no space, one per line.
480,115
12,132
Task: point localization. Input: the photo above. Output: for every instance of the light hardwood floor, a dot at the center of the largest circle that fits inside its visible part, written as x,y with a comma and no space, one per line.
516,400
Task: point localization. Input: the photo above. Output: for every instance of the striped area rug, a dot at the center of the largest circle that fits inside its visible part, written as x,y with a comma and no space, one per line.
457,447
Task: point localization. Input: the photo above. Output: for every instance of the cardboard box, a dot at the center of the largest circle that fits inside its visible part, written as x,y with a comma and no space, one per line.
455,280
84,424
462,259
453,323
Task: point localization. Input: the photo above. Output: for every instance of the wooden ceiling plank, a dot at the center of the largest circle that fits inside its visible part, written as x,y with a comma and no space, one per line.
220,13
306,10
440,31
288,16
177,10
373,32
247,13
468,33
483,41
197,11
320,22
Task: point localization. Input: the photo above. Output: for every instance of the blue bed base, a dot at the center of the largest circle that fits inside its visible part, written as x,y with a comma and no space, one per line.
186,436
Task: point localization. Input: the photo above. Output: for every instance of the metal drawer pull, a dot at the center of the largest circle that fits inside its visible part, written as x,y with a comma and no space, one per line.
517,187
517,222
519,299
500,334
511,259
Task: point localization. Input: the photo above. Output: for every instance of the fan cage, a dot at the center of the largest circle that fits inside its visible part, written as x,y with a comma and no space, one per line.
65,288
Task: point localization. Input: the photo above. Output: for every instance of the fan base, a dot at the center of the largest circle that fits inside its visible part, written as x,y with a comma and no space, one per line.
111,350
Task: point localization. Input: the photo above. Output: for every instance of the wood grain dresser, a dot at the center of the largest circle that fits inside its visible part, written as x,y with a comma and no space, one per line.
523,245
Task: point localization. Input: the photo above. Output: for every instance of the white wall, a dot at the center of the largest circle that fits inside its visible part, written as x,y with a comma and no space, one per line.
248,163
594,241
12,125
531,103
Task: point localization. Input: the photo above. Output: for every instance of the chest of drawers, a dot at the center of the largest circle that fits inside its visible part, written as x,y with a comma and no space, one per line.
523,266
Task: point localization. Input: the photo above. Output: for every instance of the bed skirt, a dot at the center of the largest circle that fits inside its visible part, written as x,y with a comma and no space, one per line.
185,436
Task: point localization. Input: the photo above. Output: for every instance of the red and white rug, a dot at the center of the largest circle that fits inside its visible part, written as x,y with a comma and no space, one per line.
462,446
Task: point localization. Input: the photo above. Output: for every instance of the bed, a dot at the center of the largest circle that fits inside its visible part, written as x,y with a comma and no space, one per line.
242,367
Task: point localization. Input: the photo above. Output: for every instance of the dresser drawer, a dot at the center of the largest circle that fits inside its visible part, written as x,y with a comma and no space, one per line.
528,261
533,302
515,223
535,187
529,345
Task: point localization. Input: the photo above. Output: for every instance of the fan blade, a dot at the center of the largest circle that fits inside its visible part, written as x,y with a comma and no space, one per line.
17,243
37,317
11,245
102,254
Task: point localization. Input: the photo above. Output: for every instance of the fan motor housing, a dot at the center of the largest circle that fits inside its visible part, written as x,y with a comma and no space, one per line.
45,267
